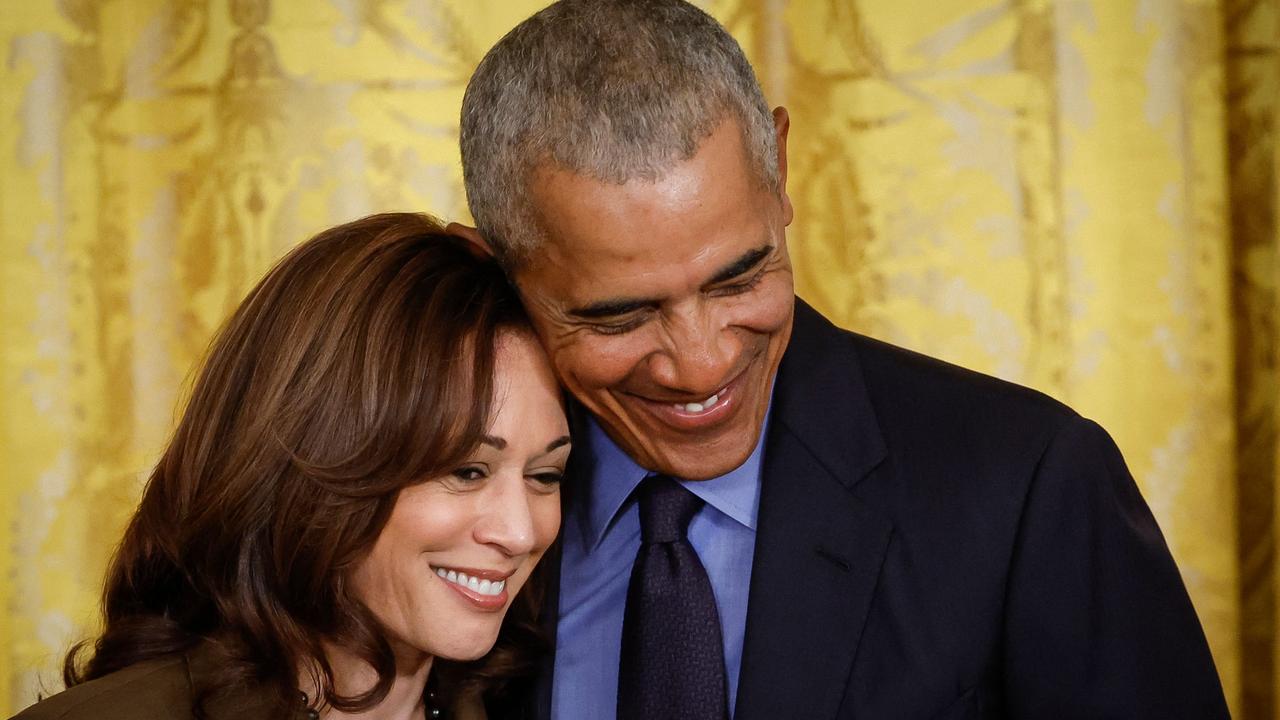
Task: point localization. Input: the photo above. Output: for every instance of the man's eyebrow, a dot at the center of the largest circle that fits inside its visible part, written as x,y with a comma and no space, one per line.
742,265
613,307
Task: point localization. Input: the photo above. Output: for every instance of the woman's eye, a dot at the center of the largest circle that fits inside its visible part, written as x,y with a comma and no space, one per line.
549,478
470,473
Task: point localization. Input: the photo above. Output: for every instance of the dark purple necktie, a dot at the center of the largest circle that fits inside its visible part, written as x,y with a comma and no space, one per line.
672,655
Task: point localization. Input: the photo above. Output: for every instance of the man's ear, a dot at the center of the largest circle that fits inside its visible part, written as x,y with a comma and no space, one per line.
781,126
478,244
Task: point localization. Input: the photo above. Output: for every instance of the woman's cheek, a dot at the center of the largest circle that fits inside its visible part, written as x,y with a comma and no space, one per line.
546,518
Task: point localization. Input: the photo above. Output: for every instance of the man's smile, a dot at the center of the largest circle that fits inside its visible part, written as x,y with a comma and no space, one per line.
703,414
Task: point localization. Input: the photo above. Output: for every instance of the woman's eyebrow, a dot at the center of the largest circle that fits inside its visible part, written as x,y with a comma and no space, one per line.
501,443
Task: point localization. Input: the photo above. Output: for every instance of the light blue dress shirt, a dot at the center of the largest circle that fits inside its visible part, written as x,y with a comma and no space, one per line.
600,542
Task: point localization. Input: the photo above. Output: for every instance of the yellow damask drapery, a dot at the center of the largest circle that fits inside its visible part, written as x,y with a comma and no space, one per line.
1079,195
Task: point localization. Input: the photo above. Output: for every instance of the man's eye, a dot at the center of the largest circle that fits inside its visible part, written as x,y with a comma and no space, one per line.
740,287
470,473
618,328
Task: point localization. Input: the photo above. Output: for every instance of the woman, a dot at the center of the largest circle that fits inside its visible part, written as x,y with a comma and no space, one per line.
364,478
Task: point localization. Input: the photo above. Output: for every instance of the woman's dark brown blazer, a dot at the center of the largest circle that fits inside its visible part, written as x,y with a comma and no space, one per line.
154,690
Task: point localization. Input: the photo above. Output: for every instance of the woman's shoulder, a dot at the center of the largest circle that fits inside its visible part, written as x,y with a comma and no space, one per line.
154,689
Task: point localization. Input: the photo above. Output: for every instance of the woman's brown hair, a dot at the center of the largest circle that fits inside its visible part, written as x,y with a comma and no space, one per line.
362,363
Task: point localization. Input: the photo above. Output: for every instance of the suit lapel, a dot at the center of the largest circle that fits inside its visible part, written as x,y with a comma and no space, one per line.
819,547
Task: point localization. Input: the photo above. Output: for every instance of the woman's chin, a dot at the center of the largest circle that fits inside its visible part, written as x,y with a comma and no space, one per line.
464,646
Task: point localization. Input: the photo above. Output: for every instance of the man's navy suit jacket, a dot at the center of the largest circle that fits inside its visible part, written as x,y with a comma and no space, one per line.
935,543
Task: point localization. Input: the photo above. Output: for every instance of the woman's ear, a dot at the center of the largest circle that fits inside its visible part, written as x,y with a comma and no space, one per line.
477,243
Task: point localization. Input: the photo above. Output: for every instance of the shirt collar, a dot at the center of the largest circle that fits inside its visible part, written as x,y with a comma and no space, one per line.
612,476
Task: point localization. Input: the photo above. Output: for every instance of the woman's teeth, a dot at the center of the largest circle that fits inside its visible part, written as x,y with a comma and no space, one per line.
484,587
697,407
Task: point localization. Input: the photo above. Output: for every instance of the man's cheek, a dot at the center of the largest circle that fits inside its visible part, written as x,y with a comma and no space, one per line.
765,317
777,308
580,370
603,364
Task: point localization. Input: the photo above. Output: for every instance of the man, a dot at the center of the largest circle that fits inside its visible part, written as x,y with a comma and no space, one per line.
772,517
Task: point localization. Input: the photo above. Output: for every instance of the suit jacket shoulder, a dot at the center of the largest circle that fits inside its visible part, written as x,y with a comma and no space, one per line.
955,433
154,689
930,429
902,383
915,394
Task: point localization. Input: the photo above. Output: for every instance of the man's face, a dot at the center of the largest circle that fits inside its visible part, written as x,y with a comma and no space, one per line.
666,306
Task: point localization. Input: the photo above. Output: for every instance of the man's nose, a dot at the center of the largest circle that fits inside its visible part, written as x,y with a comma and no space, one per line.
699,352
507,520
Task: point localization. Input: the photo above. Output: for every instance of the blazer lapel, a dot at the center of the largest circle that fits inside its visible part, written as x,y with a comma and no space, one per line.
539,705
577,474
819,547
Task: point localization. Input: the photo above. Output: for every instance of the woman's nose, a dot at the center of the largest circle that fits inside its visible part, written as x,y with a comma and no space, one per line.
506,520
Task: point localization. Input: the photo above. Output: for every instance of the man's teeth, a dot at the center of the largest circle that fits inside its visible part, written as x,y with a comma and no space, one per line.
484,587
697,407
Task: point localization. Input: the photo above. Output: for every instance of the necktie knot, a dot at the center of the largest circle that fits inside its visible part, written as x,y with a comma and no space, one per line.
666,508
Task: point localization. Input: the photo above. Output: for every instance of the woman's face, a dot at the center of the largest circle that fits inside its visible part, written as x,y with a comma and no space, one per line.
458,548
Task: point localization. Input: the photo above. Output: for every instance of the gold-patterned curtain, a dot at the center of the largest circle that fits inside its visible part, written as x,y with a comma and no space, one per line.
1079,195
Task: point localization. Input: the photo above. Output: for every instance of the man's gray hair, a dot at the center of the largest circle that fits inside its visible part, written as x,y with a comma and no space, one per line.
612,89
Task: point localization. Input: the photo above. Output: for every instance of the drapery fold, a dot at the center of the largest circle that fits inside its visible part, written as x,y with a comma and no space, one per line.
1078,195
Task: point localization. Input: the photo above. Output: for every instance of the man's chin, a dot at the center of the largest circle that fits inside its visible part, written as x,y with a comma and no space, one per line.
694,462
682,453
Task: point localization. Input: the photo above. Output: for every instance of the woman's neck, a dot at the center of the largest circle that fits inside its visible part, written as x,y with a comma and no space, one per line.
353,676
